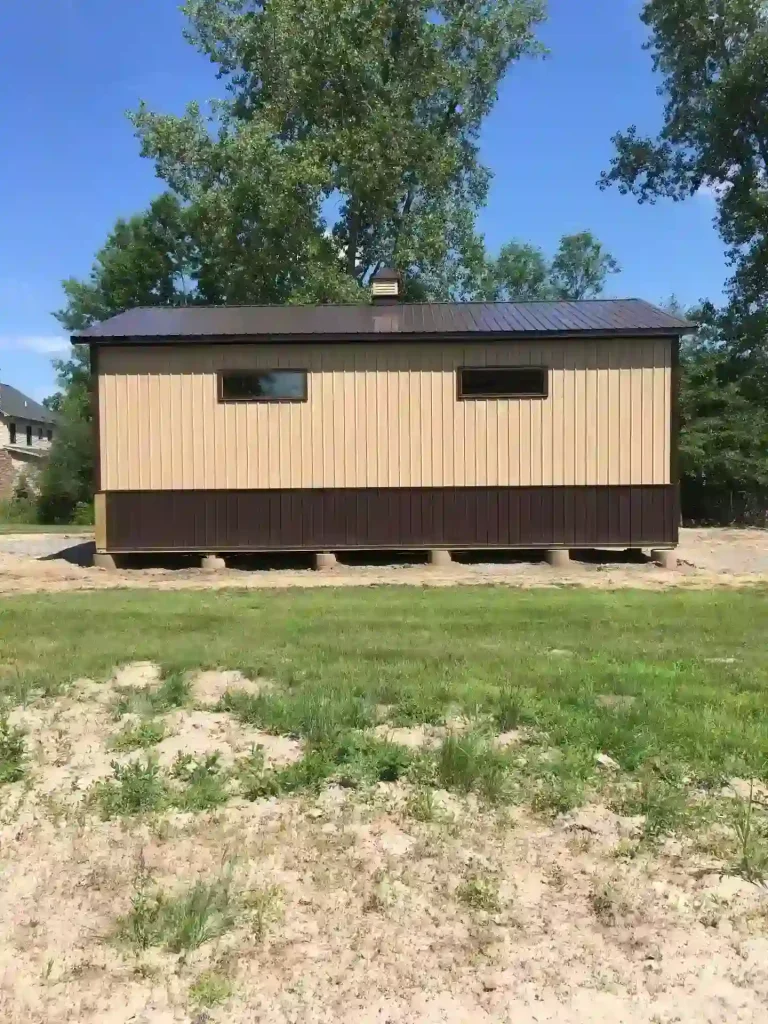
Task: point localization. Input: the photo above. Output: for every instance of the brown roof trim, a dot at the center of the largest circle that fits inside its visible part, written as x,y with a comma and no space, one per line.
403,339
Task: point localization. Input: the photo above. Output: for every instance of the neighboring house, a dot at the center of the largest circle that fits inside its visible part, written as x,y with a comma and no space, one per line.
391,425
26,432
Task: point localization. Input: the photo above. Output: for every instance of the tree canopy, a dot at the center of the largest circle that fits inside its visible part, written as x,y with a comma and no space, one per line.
349,140
712,56
521,272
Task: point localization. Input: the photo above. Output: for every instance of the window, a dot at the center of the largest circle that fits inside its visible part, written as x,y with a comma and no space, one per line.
29,435
49,434
11,433
40,433
503,382
263,386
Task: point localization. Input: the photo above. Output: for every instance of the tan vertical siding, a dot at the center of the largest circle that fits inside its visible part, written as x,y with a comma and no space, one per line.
385,415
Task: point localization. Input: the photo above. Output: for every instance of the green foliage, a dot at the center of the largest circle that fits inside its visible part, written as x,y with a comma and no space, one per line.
265,907
209,989
365,761
712,56
66,480
202,783
724,420
135,788
83,514
661,802
469,763
257,781
579,270
352,760
752,836
581,267
21,507
148,260
181,922
512,709
422,805
378,104
145,734
319,714
480,892
12,752
556,793
173,692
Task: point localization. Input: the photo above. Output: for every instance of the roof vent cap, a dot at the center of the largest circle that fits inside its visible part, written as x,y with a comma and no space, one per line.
386,285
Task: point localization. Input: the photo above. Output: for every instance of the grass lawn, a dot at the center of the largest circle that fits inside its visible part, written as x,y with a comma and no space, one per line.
677,680
396,764
11,528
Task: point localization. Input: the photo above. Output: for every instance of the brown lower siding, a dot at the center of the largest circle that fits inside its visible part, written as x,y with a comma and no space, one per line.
453,517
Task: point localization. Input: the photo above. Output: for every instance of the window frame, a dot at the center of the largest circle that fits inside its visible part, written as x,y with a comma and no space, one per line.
29,435
221,374
541,395
12,432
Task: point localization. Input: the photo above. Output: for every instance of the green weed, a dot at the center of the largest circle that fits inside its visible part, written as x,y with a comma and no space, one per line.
203,782
662,803
360,761
470,764
352,761
480,892
607,903
319,715
210,989
422,805
135,788
512,709
265,906
12,752
145,734
173,692
178,922
752,838
555,794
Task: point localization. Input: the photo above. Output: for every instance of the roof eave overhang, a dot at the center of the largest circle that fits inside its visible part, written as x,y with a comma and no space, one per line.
337,339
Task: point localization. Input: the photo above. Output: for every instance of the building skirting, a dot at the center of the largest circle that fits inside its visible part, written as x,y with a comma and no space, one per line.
391,517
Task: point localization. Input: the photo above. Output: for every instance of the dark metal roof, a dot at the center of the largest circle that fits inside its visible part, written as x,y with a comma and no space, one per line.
14,404
595,318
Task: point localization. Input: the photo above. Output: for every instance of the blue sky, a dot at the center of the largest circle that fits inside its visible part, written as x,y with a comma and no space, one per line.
69,69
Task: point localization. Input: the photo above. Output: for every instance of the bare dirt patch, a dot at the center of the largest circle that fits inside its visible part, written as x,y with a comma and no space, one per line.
708,557
344,906
72,738
209,687
376,918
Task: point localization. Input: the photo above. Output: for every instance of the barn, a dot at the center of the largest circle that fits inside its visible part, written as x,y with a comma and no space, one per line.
436,426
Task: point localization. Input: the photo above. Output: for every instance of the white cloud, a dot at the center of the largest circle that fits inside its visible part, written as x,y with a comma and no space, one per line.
40,344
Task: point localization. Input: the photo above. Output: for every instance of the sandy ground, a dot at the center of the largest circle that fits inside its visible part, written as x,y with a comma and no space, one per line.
368,924
708,557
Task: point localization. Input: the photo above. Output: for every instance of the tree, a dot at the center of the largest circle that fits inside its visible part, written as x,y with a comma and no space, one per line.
521,272
724,437
581,267
147,260
66,479
713,58
349,140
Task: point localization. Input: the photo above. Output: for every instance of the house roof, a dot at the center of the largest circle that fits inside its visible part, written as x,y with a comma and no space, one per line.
15,404
593,318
